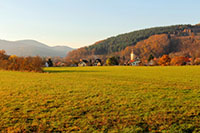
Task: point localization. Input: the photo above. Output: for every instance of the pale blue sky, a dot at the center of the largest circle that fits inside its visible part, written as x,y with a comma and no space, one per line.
78,23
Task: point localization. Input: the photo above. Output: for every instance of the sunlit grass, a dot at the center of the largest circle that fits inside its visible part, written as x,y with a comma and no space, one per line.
87,99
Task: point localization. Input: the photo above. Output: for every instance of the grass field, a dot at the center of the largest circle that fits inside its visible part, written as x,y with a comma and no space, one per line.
106,99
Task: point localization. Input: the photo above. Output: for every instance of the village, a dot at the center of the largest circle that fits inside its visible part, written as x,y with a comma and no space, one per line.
133,60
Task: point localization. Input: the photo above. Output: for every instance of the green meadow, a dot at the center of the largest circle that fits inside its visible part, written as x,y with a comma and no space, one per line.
101,99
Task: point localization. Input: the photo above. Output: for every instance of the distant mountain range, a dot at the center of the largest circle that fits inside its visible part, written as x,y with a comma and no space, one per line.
33,48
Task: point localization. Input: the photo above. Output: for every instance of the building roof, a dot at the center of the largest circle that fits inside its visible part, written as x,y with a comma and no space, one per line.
131,61
84,61
99,60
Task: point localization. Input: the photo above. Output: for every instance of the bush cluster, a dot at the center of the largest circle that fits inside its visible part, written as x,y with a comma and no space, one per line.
15,63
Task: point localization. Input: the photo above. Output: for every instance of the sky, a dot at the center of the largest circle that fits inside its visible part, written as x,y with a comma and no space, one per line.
78,23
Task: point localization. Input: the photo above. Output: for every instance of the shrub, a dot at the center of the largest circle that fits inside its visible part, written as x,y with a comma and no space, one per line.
112,61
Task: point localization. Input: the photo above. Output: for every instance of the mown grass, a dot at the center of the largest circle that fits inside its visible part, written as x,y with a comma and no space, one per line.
101,99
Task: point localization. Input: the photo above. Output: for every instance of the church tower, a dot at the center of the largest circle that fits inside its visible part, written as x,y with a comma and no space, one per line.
132,55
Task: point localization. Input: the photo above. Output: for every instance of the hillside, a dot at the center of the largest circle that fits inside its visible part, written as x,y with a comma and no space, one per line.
117,45
32,48
157,45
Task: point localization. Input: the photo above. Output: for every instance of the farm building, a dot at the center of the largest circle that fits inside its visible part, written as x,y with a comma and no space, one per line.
83,63
98,62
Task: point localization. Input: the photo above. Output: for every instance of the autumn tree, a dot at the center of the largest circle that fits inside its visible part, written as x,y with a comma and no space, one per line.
197,61
20,63
3,55
164,60
179,61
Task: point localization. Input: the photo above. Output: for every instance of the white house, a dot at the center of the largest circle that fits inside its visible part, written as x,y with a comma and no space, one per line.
83,63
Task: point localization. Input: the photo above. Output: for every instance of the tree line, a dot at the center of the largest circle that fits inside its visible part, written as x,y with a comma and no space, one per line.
14,63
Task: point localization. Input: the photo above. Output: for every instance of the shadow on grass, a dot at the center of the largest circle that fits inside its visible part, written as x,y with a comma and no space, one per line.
67,71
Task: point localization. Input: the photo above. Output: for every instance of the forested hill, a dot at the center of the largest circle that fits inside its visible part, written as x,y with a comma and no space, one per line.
120,42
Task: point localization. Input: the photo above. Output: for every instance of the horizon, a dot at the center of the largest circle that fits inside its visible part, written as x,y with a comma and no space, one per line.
77,24
93,42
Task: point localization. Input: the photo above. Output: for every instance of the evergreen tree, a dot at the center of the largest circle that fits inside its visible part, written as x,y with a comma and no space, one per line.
151,57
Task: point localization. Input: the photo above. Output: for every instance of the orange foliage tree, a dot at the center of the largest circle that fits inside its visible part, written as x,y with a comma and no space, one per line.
164,60
178,61
197,61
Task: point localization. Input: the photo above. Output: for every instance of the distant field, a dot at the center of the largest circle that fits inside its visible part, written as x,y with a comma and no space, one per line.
88,99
